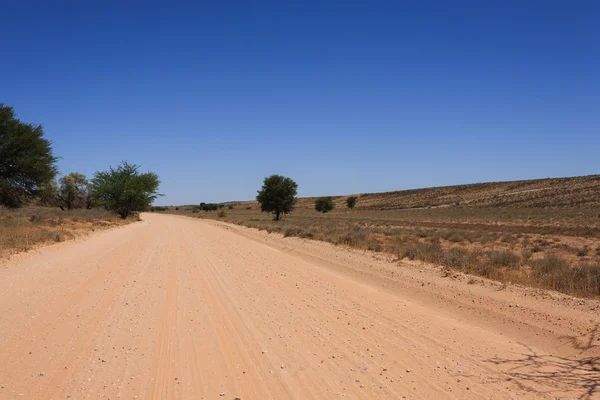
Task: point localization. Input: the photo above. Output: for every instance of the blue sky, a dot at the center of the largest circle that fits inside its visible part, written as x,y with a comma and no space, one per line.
344,97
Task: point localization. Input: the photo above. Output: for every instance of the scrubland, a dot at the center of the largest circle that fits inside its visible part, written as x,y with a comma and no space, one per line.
542,233
25,228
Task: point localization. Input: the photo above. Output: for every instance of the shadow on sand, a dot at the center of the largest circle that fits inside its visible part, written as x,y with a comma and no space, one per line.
578,375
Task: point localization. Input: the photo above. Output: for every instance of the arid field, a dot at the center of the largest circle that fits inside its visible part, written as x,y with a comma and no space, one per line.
543,233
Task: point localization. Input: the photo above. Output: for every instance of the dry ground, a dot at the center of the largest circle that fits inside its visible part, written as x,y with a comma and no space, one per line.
180,308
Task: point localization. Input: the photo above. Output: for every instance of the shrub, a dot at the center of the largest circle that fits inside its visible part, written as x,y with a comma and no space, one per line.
430,252
290,232
324,204
550,264
503,259
455,257
351,202
554,272
222,214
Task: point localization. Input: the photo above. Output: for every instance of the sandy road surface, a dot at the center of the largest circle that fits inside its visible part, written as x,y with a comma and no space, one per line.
177,308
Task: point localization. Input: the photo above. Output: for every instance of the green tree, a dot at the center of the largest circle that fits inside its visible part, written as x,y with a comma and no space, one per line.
125,190
351,202
72,191
26,159
324,204
277,195
47,194
88,199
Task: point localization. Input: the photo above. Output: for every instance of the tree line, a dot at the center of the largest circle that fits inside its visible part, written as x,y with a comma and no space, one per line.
28,172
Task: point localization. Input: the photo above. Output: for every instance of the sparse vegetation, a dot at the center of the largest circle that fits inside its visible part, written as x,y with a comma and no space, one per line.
497,243
27,227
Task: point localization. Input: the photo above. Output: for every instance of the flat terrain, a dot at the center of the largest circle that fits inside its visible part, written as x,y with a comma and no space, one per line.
180,308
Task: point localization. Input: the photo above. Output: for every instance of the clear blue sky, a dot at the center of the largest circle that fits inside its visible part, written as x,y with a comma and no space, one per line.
344,97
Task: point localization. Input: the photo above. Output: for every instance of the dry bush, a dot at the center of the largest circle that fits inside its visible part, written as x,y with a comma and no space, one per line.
25,228
504,259
555,273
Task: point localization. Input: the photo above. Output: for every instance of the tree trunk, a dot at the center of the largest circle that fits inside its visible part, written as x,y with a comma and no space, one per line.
277,213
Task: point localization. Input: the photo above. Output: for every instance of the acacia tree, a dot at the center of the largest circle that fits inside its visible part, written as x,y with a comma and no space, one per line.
125,190
351,202
26,159
72,191
278,195
324,204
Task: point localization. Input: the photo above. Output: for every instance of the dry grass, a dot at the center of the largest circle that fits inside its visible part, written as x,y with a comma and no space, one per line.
505,244
28,227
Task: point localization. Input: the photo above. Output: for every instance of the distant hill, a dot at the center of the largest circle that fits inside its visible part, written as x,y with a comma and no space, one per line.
551,192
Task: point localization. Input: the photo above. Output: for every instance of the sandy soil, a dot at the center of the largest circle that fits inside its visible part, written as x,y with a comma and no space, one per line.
179,308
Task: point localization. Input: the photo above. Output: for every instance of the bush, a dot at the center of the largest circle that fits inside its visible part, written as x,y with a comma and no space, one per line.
209,207
430,252
291,232
456,258
222,214
324,204
550,264
503,259
351,202
554,272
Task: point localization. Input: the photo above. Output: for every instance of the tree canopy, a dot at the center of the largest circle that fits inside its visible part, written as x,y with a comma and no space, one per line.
278,195
324,204
27,162
72,191
125,190
351,202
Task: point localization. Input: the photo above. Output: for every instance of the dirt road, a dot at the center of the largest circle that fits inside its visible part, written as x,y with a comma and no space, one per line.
178,308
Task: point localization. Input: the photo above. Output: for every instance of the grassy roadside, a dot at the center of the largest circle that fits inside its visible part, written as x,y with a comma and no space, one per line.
28,227
557,249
